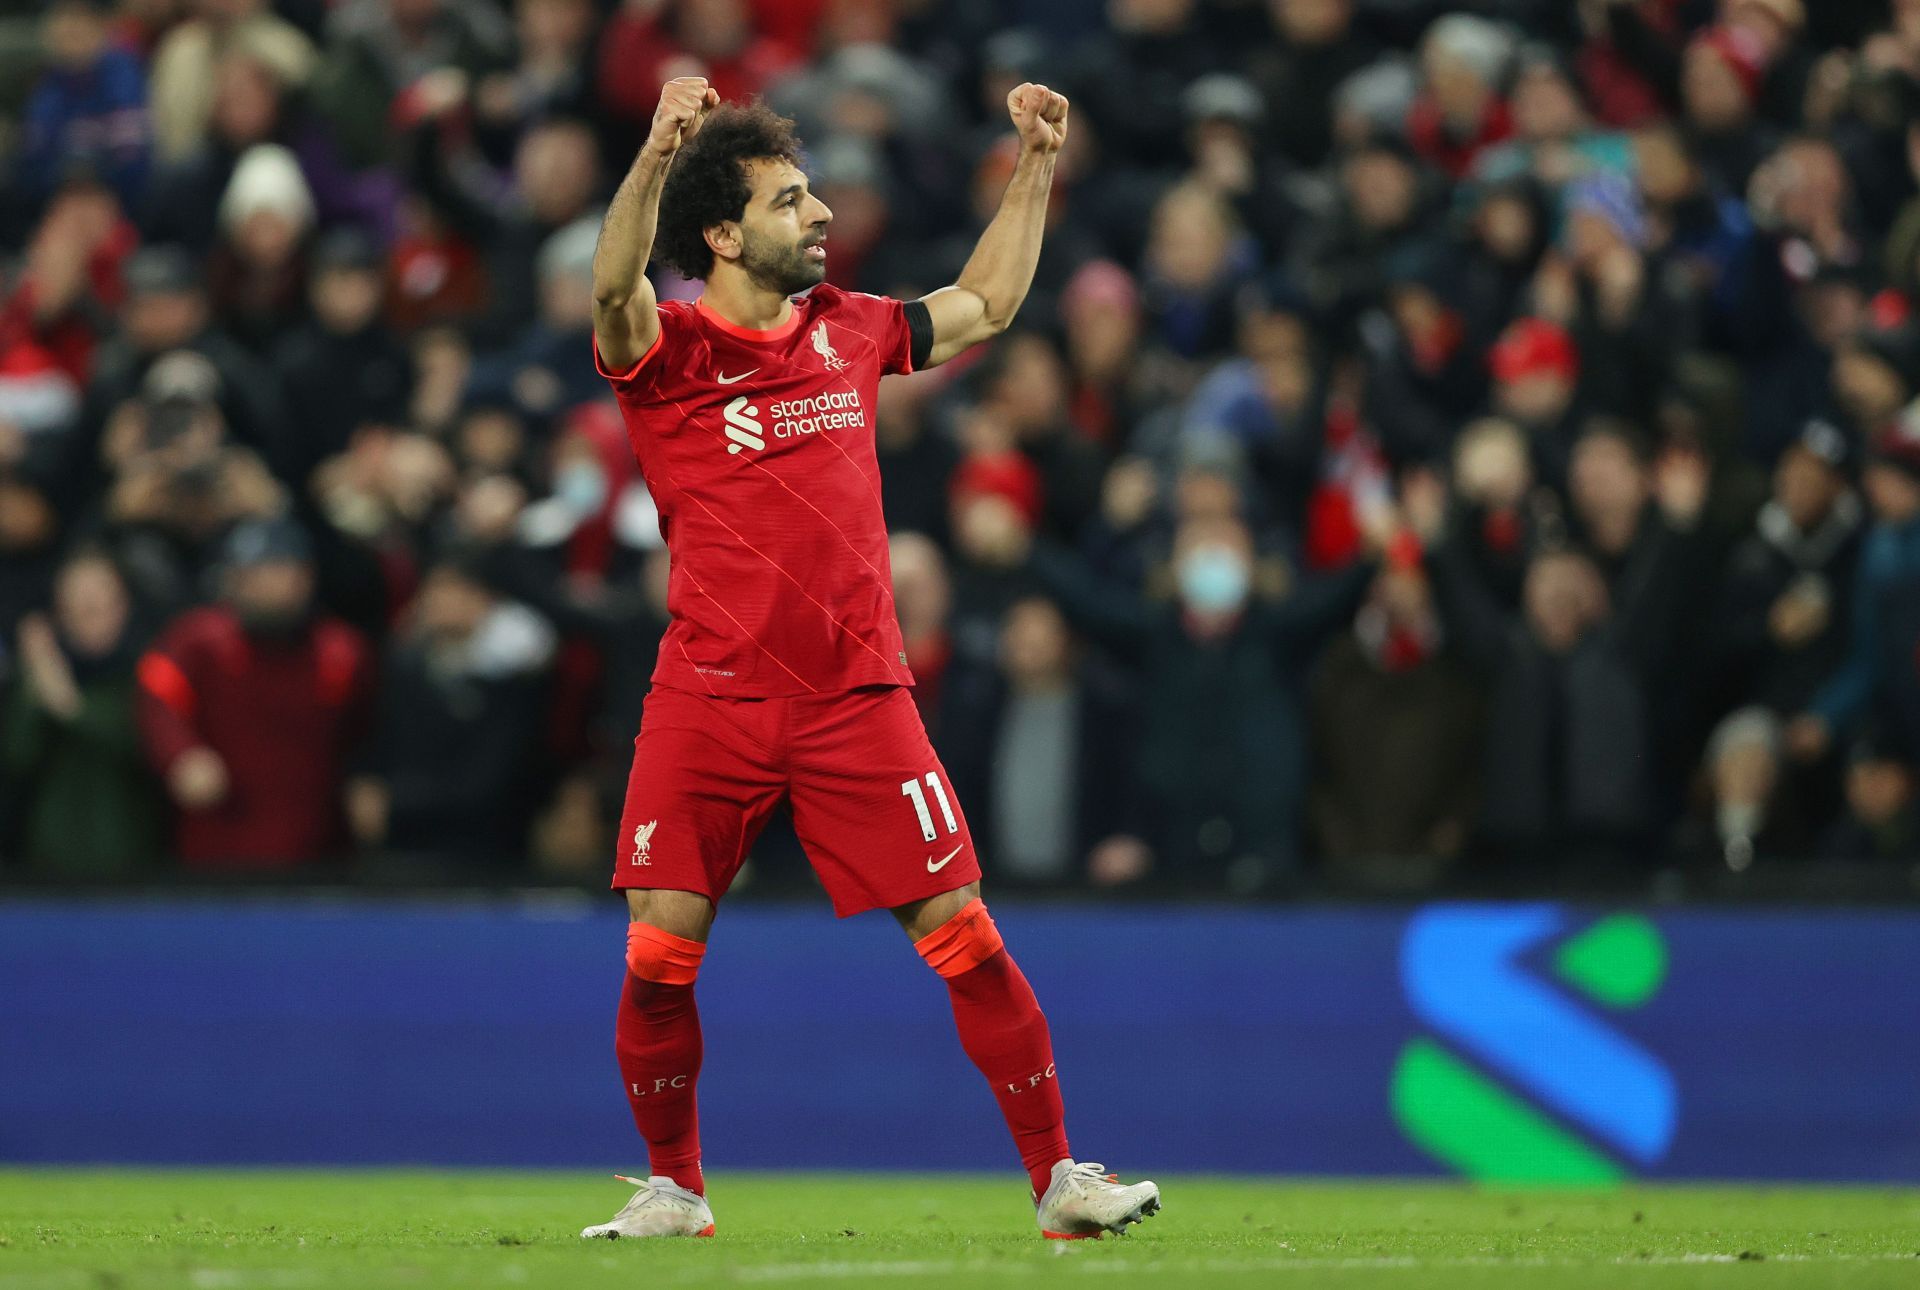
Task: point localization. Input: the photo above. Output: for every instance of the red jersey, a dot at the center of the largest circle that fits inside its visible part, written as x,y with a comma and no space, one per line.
758,449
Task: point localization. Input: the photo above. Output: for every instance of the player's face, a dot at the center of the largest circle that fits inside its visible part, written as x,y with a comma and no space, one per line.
783,232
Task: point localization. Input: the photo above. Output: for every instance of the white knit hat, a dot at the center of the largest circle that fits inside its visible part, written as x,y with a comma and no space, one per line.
267,177
1482,44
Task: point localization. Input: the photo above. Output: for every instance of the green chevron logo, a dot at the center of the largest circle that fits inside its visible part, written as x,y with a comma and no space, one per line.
1521,1079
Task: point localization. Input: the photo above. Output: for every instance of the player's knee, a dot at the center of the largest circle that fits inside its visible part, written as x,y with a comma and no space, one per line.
662,957
963,942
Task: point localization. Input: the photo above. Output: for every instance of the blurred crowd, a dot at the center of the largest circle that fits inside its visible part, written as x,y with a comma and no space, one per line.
1446,438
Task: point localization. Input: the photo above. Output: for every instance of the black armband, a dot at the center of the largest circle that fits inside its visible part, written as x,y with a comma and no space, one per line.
919,333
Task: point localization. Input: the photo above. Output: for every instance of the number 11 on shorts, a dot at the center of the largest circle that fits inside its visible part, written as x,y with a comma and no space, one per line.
911,788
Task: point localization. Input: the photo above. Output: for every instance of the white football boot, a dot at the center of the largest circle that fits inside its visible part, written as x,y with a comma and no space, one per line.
660,1208
1084,1200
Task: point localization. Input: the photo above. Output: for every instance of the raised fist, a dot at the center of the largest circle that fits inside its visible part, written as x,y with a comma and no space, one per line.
684,104
1039,115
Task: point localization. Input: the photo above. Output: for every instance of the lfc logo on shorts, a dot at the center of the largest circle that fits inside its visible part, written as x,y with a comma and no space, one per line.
643,842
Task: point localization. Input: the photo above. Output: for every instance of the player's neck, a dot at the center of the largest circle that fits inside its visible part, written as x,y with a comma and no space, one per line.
739,301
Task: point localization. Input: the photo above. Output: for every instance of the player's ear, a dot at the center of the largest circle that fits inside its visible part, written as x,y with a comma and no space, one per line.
723,239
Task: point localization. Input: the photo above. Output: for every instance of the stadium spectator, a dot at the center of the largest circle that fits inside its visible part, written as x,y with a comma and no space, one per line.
1037,746
1128,79
924,599
1460,112
916,459
258,267
1787,595
1506,227
1881,822
56,307
1101,321
402,58
1536,380
29,547
1568,779
1875,374
1314,47
1555,141
1497,513
1563,278
168,311
1722,73
451,772
1225,122
250,707
1026,391
1383,208
550,77
179,484
1779,630
545,369
89,806
1223,743
1638,524
1882,635
195,57
1195,257
1423,379
506,225
89,108
254,104
1393,800
345,334
643,45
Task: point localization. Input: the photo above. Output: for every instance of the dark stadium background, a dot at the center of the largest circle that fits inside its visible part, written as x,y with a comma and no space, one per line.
1610,304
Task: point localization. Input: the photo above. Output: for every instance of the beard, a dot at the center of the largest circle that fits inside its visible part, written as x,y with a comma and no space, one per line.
779,266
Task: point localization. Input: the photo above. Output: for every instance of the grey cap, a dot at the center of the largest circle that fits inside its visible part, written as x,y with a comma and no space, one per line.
346,248
162,269
275,541
846,162
569,251
182,374
1826,442
1019,50
1222,96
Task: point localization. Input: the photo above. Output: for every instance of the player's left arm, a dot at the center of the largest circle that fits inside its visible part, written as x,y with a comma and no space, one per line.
988,293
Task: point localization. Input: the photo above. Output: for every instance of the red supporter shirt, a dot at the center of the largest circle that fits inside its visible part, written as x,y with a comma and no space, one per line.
758,449
282,715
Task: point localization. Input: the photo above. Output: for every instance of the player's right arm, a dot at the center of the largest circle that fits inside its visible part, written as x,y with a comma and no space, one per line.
625,323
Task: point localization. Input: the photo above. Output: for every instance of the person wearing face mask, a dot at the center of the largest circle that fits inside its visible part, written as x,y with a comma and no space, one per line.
88,805
249,708
1222,755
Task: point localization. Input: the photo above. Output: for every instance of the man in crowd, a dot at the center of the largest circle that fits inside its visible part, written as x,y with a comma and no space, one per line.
249,708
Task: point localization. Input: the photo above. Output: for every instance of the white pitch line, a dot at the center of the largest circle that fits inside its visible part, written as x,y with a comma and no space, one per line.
1096,1265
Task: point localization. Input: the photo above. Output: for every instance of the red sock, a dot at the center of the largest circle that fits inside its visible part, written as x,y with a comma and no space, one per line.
1004,1032
658,1042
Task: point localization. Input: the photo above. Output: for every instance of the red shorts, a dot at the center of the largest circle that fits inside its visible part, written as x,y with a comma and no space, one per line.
871,802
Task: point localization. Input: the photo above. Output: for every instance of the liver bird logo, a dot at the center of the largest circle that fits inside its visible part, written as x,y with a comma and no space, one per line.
824,347
643,842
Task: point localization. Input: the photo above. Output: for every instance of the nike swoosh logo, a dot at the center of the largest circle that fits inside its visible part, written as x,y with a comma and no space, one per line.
936,868
724,379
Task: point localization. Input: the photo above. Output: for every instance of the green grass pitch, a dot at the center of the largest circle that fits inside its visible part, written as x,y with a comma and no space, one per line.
279,1230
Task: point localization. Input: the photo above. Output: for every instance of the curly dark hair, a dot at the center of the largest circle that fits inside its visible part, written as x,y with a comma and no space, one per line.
708,181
